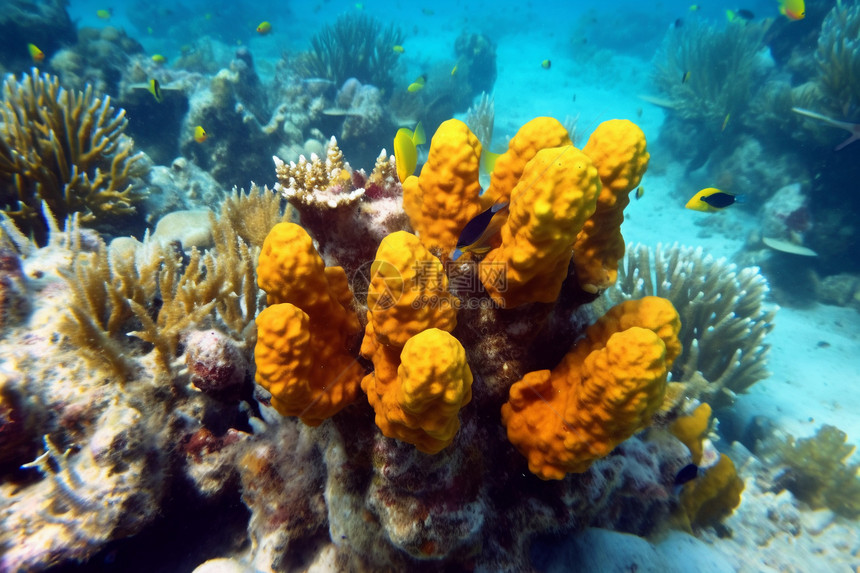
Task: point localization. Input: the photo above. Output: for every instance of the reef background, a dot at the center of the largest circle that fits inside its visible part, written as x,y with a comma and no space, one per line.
601,62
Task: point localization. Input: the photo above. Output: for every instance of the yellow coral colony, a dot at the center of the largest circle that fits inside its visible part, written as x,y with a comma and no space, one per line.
539,133
618,149
420,379
605,389
305,334
550,203
445,196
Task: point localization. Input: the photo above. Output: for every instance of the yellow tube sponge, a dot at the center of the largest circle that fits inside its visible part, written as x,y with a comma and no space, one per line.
618,149
447,193
555,195
692,430
408,291
433,383
712,497
304,336
605,390
539,133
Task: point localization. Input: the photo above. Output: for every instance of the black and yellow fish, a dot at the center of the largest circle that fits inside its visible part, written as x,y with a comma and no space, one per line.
155,90
475,236
711,200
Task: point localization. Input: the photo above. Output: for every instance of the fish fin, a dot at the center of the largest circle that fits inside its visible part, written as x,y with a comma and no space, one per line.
418,136
488,161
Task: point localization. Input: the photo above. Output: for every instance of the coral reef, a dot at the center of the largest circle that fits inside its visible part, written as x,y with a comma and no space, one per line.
445,353
838,59
45,23
724,319
354,46
66,149
817,469
99,58
722,66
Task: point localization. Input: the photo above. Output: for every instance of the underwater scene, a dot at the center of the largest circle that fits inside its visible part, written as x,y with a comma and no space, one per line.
429,286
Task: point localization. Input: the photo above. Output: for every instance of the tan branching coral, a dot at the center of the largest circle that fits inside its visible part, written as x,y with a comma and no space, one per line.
67,149
159,295
724,318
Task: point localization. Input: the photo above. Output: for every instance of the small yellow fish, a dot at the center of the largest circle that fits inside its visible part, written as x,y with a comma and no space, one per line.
149,30
418,84
454,69
685,77
792,9
726,122
264,28
640,192
546,64
155,89
159,59
406,151
398,49
200,134
104,14
359,6
36,54
711,200
694,8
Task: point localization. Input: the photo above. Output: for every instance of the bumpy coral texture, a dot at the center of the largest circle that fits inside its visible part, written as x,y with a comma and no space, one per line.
304,336
554,196
417,386
605,389
618,148
434,384
445,196
408,291
539,133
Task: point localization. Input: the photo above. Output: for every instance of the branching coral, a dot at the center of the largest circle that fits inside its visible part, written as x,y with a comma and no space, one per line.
838,59
161,296
721,62
724,319
355,46
819,471
67,149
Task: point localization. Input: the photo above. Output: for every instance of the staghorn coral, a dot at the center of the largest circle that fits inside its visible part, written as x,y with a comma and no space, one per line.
722,66
354,46
67,149
724,319
838,59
